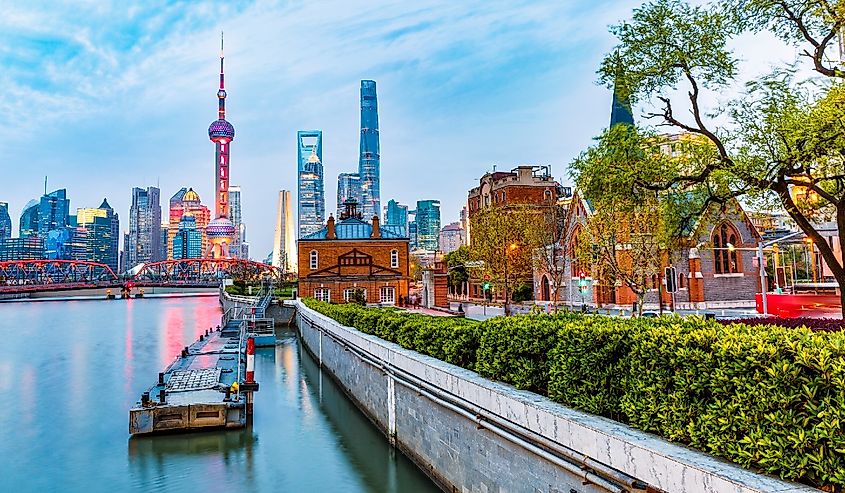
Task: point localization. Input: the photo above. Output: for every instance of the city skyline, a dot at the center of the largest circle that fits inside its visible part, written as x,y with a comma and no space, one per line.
507,97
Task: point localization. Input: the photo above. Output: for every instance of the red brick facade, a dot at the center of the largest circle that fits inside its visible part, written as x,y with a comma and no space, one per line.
524,185
332,268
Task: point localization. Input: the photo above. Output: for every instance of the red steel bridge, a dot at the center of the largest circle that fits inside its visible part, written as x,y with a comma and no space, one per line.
21,276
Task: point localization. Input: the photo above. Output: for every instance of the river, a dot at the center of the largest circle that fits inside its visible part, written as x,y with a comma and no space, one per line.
70,371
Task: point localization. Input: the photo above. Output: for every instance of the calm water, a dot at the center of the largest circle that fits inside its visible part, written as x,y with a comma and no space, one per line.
69,371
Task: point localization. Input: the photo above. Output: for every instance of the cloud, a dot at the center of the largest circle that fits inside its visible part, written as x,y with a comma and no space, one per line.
106,97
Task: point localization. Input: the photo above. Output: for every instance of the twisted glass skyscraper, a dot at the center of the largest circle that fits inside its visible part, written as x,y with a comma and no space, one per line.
369,163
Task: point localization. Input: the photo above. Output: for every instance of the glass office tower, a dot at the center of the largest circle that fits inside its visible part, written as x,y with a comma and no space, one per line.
369,163
311,199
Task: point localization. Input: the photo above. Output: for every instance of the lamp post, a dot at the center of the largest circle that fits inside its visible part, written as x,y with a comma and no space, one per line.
508,249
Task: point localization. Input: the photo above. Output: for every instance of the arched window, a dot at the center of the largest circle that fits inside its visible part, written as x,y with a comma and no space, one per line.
682,280
394,259
314,259
725,260
547,195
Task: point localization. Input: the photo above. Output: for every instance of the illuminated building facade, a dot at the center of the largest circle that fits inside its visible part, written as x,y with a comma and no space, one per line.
187,202
396,215
312,204
221,231
29,220
187,243
427,219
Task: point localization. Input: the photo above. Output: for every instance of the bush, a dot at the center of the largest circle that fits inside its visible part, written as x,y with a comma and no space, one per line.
816,324
764,396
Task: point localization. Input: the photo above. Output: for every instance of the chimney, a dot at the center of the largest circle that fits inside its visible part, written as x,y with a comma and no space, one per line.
376,229
330,234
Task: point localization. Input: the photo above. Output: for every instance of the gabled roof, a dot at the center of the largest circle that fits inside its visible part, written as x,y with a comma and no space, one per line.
356,229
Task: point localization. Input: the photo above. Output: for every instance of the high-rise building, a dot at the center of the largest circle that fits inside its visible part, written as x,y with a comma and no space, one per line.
53,211
369,162
186,201
396,214
348,187
67,243
427,219
412,235
28,248
187,243
221,231
102,231
5,221
284,237
143,245
311,199
237,219
452,237
29,220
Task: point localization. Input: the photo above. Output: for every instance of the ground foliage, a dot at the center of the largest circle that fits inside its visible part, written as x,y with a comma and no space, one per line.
764,396
815,324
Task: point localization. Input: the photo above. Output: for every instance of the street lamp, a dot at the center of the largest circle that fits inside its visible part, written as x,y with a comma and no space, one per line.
510,248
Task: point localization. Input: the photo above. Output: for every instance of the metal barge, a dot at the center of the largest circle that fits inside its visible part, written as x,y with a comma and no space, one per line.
209,385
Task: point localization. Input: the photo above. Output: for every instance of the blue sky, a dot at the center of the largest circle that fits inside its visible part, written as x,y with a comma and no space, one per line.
103,96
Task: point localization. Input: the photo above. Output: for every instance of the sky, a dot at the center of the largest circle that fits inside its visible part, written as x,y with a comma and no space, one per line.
103,96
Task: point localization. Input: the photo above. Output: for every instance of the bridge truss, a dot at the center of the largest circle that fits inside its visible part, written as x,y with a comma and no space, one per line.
41,275
202,272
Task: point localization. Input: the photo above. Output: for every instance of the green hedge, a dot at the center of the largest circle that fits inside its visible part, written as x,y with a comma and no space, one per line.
766,397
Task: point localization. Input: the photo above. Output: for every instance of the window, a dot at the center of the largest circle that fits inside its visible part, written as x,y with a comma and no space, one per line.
682,280
314,259
387,295
323,294
394,259
725,261
349,294
547,195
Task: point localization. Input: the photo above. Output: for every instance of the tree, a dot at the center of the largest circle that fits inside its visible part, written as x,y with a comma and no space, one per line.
782,142
625,244
552,234
455,261
503,240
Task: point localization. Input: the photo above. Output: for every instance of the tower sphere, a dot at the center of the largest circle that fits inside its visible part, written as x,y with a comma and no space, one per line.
221,129
220,228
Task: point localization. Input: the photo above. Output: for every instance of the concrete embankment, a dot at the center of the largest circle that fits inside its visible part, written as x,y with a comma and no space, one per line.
471,434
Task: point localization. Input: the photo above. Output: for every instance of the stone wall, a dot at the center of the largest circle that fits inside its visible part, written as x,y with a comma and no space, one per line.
474,435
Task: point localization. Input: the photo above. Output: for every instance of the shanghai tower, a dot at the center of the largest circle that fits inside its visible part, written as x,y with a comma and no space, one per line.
369,161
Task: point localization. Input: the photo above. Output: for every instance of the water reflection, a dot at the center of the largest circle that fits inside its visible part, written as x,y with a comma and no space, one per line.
77,367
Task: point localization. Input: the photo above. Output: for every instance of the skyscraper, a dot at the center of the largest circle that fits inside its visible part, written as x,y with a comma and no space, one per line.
53,211
29,220
143,245
5,221
369,162
348,187
101,228
221,231
396,215
187,201
284,238
428,224
236,218
312,204
187,242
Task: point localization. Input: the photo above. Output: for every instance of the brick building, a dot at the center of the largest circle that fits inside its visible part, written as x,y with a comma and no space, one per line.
351,255
524,185
710,275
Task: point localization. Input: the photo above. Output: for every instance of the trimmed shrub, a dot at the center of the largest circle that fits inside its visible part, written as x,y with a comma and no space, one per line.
763,396
816,324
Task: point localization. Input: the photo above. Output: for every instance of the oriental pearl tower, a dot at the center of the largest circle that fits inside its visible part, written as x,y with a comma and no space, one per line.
221,231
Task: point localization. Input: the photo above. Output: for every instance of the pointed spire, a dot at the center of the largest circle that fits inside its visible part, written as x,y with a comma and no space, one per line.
620,112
